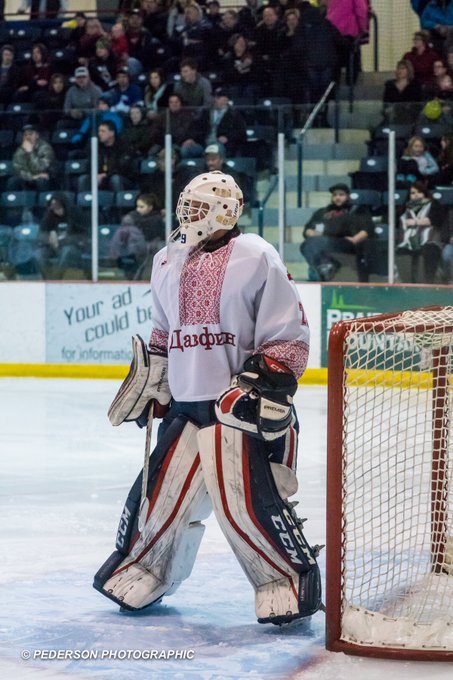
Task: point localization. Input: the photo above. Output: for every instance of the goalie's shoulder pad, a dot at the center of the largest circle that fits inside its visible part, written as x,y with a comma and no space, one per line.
147,380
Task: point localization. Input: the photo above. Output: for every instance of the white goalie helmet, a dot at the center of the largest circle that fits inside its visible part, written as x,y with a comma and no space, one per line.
210,202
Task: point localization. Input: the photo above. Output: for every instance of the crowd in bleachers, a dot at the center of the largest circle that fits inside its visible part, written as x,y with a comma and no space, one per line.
192,70
207,76
418,106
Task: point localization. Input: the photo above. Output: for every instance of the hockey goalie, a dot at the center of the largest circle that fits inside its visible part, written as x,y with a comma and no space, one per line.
229,340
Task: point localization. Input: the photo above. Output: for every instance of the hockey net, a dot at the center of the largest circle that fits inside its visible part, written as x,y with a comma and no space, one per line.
390,489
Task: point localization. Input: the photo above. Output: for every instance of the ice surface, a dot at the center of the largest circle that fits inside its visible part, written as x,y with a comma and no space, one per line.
64,476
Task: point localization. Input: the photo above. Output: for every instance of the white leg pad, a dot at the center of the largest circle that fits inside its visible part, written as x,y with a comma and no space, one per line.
267,563
164,553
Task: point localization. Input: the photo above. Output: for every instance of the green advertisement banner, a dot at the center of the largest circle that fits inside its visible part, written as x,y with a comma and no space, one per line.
341,303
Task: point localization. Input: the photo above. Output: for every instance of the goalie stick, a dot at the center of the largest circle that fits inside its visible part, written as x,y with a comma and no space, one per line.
144,503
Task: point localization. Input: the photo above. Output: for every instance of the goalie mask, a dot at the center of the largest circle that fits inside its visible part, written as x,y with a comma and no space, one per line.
210,202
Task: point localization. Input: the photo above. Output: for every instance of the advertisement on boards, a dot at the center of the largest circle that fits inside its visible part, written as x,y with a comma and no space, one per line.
94,323
343,303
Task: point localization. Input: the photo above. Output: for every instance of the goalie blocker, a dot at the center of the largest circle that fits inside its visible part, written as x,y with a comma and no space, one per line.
260,399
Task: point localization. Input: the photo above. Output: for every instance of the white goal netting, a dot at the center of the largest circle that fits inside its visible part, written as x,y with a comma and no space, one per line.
397,544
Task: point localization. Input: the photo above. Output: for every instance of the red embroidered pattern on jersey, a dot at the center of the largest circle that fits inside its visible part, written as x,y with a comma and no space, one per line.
201,286
292,353
159,339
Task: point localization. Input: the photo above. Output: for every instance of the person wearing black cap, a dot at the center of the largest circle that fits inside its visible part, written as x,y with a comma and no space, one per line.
125,94
33,162
228,126
340,227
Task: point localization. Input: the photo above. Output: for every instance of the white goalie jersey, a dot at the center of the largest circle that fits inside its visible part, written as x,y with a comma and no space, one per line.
208,329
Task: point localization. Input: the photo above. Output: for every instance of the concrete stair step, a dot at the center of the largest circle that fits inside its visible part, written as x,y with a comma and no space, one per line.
329,151
332,167
327,135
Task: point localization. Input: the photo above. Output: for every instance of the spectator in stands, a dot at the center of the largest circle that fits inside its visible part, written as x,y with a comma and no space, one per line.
155,15
176,21
104,65
351,18
318,52
422,57
120,45
416,162
114,161
340,227
139,41
86,46
33,162
433,88
128,247
436,16
35,75
250,15
50,103
445,162
213,13
401,95
64,236
291,54
195,36
77,26
184,127
226,125
9,74
103,114
447,259
147,216
157,92
125,94
221,34
423,234
267,39
243,71
193,88
136,133
81,97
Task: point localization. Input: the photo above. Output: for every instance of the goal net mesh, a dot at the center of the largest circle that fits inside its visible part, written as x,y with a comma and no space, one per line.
397,567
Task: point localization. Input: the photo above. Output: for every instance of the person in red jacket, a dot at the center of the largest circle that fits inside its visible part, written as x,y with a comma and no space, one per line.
422,57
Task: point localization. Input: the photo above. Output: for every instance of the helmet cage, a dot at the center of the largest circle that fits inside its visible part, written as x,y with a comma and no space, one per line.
210,202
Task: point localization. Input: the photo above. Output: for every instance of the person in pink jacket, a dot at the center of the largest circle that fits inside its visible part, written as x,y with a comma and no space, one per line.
351,18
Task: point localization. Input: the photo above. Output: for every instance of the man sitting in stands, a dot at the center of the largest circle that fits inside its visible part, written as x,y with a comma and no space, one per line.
340,227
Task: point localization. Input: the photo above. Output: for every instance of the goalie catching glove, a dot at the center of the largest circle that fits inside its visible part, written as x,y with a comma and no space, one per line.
146,382
260,399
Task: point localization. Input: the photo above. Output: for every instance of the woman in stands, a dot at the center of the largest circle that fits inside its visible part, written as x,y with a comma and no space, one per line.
157,92
35,75
243,69
51,101
423,234
401,95
445,162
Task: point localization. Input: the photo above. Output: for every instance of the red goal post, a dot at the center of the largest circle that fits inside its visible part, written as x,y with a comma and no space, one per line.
389,584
